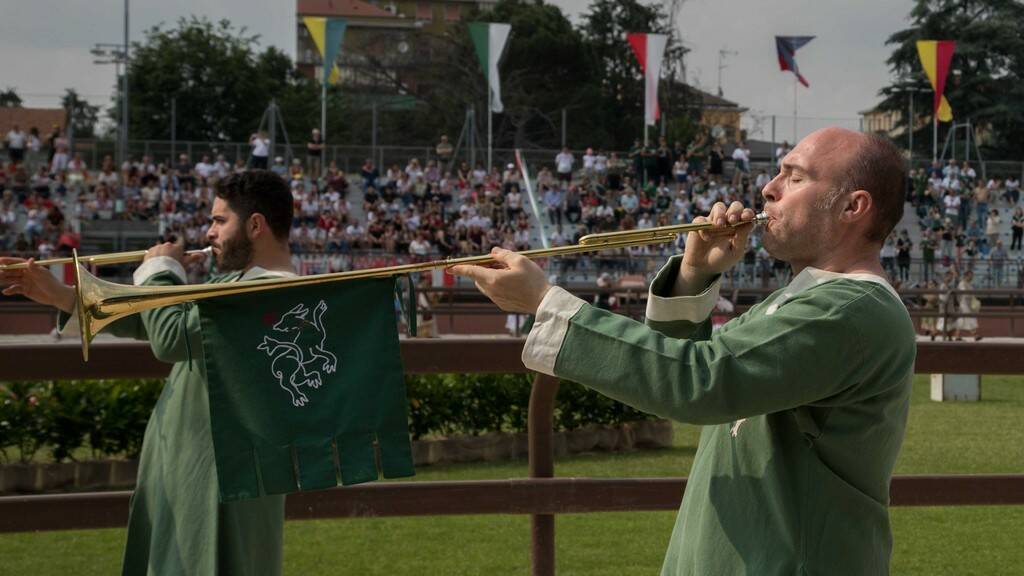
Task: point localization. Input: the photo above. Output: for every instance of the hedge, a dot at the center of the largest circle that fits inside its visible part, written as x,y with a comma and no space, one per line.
107,418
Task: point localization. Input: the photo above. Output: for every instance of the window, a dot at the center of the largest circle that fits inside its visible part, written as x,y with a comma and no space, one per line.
424,10
452,13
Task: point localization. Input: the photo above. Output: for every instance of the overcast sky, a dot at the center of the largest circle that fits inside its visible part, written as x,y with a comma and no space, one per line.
44,48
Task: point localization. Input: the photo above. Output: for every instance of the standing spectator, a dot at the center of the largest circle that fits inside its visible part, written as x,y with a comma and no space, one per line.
967,304
888,255
1017,226
51,142
563,165
903,246
589,163
928,246
715,160
992,225
781,152
260,145
315,154
444,150
741,162
34,145
997,263
981,198
16,141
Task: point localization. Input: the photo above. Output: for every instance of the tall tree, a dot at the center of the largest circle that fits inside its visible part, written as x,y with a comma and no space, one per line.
9,98
605,27
219,80
986,82
83,114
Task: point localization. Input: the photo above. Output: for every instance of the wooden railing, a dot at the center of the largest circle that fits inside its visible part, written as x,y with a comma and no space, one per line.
542,496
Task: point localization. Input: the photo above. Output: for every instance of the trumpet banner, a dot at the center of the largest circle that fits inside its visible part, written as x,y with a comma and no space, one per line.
305,386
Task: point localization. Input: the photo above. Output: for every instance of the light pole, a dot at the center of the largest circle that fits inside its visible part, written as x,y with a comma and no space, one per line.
115,54
721,66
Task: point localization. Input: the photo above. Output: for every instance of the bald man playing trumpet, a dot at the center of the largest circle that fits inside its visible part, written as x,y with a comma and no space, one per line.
803,398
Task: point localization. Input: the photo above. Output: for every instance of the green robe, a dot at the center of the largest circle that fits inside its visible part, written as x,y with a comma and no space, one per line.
177,526
804,403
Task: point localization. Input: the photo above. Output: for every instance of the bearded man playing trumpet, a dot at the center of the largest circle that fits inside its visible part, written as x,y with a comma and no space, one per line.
803,398
177,524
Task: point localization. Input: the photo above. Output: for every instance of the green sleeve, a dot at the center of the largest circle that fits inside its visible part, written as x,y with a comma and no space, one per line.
174,333
803,352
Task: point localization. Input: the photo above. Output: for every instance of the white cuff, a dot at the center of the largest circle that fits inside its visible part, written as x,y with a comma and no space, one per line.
689,308
549,329
157,265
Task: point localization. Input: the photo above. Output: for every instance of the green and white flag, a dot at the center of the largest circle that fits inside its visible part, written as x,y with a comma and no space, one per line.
489,39
305,385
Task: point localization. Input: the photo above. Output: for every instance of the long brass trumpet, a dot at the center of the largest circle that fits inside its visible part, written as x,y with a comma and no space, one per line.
98,259
100,302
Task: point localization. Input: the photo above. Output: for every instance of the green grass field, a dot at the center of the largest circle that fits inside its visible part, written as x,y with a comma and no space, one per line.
942,438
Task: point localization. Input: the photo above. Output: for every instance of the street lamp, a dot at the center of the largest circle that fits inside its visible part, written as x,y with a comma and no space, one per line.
117,54
106,53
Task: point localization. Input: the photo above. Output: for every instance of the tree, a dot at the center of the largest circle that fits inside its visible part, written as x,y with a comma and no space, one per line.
83,114
220,83
605,27
9,98
986,82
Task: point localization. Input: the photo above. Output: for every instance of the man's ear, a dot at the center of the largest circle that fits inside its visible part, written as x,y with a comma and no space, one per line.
257,226
857,206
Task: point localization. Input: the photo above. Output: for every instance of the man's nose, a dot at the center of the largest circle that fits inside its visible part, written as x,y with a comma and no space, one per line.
771,190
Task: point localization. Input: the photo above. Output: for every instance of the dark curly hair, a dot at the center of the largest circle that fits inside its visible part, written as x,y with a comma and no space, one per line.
259,192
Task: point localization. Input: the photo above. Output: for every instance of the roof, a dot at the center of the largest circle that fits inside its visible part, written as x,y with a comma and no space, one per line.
349,8
26,118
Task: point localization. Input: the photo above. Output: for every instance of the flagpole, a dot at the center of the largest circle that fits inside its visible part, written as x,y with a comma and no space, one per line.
935,136
794,108
490,112
323,115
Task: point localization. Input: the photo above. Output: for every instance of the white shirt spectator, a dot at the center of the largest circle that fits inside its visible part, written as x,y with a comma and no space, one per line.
16,139
563,162
419,247
260,147
205,169
589,160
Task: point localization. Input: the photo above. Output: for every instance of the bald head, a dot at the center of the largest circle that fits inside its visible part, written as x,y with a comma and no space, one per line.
856,161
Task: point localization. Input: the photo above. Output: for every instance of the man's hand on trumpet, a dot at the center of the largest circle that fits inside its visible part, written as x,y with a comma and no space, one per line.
37,284
710,252
516,285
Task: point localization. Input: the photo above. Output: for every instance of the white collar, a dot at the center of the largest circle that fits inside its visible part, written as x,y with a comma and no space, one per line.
258,272
810,277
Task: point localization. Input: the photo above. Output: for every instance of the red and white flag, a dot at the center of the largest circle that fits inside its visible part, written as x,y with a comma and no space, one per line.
649,50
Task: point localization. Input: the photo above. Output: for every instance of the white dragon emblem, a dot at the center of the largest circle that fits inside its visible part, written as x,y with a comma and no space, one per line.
298,358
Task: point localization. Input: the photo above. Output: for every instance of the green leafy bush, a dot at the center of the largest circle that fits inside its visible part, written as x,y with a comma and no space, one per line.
109,416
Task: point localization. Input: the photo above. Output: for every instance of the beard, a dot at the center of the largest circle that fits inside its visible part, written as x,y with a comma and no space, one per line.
235,253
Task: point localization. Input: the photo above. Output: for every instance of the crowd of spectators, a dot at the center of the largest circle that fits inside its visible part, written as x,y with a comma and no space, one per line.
962,221
438,207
